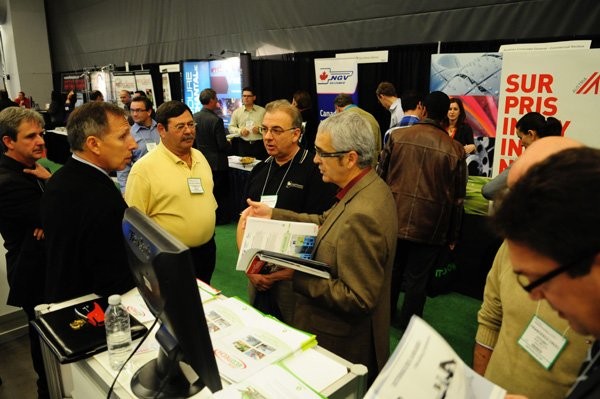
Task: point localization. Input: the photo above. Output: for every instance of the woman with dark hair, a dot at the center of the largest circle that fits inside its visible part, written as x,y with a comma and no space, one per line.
531,127
457,127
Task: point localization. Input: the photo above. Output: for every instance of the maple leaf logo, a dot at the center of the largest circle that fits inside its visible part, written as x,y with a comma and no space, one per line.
323,76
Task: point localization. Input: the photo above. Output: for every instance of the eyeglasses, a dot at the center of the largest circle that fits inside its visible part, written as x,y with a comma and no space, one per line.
276,131
323,154
181,126
134,110
529,285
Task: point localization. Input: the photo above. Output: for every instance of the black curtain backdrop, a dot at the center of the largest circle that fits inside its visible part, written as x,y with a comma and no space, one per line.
408,68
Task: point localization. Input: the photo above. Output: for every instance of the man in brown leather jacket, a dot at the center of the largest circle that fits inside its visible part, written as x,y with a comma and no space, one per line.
427,174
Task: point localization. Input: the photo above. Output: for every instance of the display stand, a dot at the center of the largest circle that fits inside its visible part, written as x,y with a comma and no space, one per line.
91,378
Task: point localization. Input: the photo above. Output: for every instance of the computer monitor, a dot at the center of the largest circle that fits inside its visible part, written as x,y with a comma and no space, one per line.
162,269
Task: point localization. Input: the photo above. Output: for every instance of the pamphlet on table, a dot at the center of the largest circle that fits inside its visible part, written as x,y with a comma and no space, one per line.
245,341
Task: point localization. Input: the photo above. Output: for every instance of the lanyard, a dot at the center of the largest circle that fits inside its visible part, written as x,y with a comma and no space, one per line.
282,179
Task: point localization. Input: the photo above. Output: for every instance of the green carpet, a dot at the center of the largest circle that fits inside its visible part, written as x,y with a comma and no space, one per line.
454,315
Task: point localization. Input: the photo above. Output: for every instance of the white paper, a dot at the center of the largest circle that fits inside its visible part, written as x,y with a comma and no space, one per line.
291,238
425,366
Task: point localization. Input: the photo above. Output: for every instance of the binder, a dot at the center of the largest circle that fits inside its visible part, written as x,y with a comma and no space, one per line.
70,338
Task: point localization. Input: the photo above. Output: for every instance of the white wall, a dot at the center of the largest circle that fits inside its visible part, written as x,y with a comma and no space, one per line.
27,52
4,308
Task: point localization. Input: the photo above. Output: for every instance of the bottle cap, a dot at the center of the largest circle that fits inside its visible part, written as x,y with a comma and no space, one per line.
114,300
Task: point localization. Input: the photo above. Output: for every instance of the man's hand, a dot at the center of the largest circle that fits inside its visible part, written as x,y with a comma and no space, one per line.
244,132
257,209
40,172
38,233
261,282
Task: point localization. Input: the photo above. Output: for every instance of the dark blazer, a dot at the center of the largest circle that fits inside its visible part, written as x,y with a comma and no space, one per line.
589,387
82,212
350,314
211,139
20,195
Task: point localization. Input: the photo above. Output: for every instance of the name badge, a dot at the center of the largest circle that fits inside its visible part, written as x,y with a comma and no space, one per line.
270,200
542,342
150,146
195,185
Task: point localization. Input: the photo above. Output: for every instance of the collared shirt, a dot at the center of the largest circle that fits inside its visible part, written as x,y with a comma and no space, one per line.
143,136
397,112
241,115
78,158
159,185
351,184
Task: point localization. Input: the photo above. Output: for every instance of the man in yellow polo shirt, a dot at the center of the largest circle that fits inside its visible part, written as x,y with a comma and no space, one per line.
173,185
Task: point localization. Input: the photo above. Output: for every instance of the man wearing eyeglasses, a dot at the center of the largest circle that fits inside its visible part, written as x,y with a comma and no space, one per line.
427,173
508,319
145,133
173,185
288,179
246,121
22,182
549,220
349,313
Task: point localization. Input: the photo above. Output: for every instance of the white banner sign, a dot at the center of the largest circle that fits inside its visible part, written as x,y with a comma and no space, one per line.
562,84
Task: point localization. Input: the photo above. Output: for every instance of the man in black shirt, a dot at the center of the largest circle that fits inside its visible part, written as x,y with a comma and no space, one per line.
288,179
22,183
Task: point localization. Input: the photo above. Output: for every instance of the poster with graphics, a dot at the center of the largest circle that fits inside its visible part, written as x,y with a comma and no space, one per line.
475,79
143,82
562,84
334,76
123,81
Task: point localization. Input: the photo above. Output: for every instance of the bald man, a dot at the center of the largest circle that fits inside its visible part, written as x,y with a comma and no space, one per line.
508,316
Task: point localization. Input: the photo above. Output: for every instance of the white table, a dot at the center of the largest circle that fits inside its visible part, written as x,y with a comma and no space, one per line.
91,378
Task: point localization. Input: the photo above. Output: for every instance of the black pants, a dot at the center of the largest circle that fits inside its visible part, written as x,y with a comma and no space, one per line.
204,259
36,355
221,193
412,267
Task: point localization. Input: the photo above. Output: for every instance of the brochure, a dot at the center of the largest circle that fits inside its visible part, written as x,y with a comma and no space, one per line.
423,365
283,237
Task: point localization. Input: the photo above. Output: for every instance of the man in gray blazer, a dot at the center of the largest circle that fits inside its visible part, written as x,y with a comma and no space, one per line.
349,313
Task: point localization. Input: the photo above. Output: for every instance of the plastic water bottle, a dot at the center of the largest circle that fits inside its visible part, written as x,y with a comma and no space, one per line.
118,332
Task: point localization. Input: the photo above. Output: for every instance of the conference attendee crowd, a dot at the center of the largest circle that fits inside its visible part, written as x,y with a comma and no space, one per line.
389,204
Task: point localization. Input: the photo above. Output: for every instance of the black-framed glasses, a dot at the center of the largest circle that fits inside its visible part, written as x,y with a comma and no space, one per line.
323,154
274,130
529,285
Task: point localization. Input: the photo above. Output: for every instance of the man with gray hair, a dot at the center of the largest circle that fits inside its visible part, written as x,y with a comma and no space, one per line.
82,208
22,182
426,171
349,313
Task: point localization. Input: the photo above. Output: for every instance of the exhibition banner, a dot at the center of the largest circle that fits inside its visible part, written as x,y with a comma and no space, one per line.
562,84
475,79
223,76
334,76
123,81
143,82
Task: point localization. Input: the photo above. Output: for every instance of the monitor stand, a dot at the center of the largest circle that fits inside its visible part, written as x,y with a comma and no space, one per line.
162,378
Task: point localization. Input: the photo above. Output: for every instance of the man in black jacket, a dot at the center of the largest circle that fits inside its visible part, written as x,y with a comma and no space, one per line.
22,182
82,208
212,142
